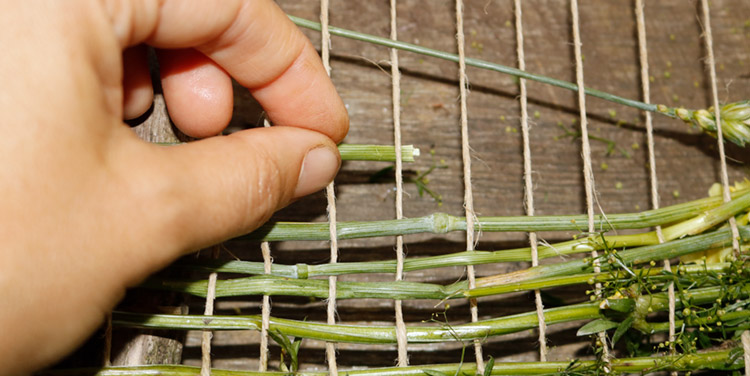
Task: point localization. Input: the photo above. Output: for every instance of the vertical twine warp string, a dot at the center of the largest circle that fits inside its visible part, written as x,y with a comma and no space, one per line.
107,352
325,43
528,184
403,357
646,88
588,174
746,348
265,311
466,157
711,62
209,311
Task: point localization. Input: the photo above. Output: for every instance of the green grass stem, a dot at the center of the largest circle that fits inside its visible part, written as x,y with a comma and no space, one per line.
438,332
404,46
713,240
713,360
318,288
361,152
441,223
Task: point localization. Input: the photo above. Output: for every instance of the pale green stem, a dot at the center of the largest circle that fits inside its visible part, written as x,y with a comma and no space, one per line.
714,360
440,332
359,152
707,218
318,288
717,239
476,63
440,223
443,332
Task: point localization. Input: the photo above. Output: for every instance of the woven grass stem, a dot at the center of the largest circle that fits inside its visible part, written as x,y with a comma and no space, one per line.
715,360
707,219
318,288
713,240
475,63
360,333
738,113
440,223
362,152
442,332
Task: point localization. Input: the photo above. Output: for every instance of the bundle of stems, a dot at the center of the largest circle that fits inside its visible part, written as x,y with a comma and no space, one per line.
543,276
445,332
715,360
404,290
735,117
363,152
440,223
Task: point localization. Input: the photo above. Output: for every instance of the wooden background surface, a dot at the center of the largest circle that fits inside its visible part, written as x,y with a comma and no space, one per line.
687,162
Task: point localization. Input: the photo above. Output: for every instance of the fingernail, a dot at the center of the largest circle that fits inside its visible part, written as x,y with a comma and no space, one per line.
318,169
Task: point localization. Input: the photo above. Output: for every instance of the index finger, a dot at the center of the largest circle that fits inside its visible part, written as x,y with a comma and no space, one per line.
255,42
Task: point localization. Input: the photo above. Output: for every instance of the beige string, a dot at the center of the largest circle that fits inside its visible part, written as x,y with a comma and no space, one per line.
746,349
209,311
331,198
711,62
588,174
646,87
528,185
403,357
466,157
265,312
107,353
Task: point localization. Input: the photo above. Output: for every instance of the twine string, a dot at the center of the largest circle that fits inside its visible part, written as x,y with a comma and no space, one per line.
107,351
265,312
325,44
646,89
209,311
466,158
528,184
746,348
711,62
403,357
588,174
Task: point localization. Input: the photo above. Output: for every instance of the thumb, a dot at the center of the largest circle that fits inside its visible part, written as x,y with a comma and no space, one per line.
222,187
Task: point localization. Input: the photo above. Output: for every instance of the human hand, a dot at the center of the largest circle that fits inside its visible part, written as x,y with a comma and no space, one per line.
87,209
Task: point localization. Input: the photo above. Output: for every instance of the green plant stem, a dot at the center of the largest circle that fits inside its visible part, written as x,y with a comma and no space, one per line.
361,333
441,223
415,334
717,239
703,221
477,63
361,152
382,153
318,288
714,360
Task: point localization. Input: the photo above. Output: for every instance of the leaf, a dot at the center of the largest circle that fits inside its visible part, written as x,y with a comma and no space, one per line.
735,322
430,372
621,305
596,326
489,366
735,356
280,338
622,328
